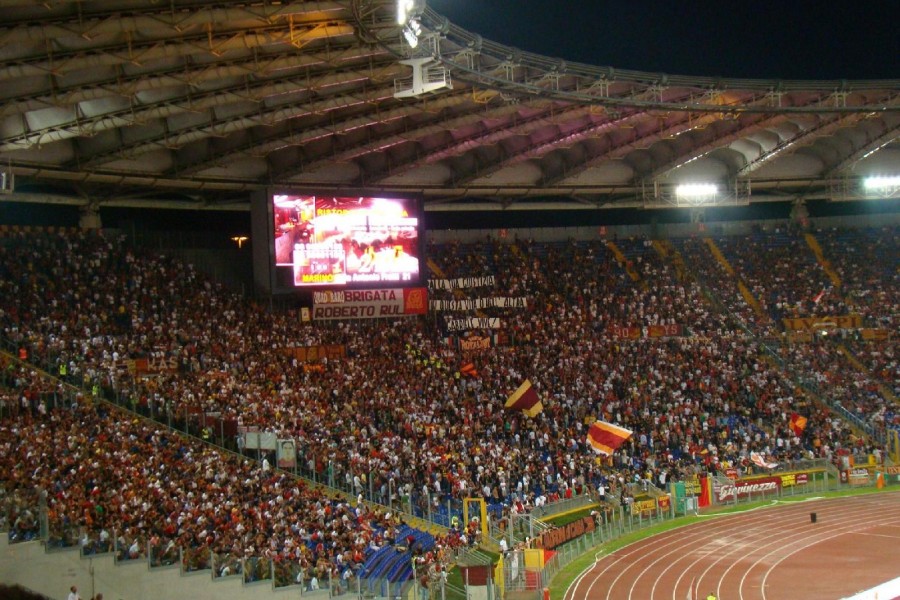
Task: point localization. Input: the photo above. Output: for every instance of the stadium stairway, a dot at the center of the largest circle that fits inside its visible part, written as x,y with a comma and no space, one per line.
882,389
717,254
813,244
668,252
620,258
748,296
435,269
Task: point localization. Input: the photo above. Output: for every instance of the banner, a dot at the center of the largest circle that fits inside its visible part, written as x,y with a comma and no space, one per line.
650,331
875,335
461,283
692,485
153,365
474,343
820,323
159,361
742,489
792,479
286,454
560,535
858,477
369,304
704,498
627,333
473,304
468,323
799,337
259,440
316,353
645,508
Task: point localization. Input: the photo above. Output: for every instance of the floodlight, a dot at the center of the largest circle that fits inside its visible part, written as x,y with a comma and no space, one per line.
404,10
411,38
882,183
411,33
696,190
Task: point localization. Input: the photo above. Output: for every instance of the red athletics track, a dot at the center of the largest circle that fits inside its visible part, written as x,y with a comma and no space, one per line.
769,553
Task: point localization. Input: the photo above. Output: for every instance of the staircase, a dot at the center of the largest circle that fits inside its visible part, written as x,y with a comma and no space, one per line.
720,258
620,258
748,296
434,268
813,244
666,250
882,389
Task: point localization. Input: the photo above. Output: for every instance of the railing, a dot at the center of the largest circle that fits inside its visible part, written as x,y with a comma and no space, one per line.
548,511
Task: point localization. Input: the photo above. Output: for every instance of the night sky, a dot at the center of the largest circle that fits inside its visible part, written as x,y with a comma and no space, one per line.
787,39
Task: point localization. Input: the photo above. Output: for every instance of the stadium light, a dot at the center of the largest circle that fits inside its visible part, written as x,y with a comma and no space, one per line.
696,191
411,33
405,10
881,183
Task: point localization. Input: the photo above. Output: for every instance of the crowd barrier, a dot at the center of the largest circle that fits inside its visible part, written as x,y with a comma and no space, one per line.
528,576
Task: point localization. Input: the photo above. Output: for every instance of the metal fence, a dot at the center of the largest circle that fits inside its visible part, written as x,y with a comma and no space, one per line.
26,520
529,583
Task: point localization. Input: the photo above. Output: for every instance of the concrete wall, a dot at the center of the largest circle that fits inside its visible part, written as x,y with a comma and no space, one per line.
52,574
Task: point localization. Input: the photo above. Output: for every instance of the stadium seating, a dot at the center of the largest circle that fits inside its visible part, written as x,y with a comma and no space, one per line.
675,354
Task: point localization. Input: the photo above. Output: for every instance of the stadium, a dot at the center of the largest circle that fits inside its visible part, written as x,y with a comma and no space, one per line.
341,299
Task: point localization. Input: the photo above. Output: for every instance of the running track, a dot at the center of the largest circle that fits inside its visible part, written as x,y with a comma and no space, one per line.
769,553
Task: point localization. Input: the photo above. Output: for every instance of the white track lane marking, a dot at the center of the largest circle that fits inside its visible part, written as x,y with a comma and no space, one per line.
591,576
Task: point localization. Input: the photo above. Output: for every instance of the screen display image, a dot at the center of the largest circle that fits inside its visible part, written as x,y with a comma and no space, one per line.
336,241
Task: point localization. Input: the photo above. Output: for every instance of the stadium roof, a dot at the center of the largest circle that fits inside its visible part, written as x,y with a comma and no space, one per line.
187,103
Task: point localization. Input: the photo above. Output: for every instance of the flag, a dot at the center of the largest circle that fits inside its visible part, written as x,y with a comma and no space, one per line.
818,297
798,423
605,437
757,459
469,370
525,399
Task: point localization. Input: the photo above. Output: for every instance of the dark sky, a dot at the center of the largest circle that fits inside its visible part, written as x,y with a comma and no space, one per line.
787,39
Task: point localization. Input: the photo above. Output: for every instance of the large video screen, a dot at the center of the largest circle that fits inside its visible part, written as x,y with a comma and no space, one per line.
339,241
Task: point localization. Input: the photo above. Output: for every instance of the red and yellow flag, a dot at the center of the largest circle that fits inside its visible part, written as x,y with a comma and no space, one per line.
798,423
525,399
605,437
469,370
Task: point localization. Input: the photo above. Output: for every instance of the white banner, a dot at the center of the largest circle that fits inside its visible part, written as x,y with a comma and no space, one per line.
259,440
369,304
473,323
461,283
477,303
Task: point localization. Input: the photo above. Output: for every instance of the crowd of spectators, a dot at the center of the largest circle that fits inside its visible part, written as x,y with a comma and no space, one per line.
783,274
865,261
393,415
